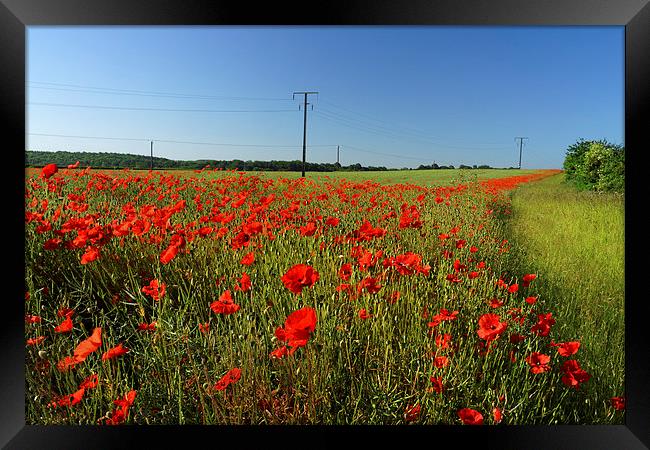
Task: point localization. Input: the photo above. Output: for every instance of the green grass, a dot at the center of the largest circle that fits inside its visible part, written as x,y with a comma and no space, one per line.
574,241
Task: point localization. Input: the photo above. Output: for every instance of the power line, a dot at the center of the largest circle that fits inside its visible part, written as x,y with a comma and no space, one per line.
88,137
177,141
227,144
162,109
376,129
385,154
421,134
103,90
346,123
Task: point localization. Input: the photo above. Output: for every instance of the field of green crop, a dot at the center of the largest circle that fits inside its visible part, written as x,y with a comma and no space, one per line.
420,177
367,298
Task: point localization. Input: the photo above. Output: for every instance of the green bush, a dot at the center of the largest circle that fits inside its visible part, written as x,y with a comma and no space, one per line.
596,165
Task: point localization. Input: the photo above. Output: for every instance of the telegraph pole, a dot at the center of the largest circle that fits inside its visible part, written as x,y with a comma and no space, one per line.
337,153
151,160
521,141
304,129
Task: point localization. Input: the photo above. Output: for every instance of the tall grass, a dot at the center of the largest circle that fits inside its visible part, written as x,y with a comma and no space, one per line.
574,241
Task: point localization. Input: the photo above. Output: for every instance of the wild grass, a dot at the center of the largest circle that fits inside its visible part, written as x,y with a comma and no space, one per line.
574,240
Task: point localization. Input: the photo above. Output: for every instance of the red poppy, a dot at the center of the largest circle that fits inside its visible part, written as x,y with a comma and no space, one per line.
36,340
543,325
225,305
393,297
538,362
458,267
452,277
114,352
89,345
90,382
495,303
69,400
298,277
155,289
440,362
531,300
168,254
446,315
65,326
121,413
49,170
73,166
92,253
567,348
204,327
52,244
147,326
309,229
442,341
81,352
363,314
332,221
231,377
513,288
280,353
574,375
344,287
32,319
412,413
298,328
345,272
437,384
490,327
370,285
248,259
244,283
242,239
470,416
528,279
65,312
496,413
618,403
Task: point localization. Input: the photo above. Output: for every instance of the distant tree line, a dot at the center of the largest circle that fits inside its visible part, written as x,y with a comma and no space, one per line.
122,160
596,165
104,160
462,166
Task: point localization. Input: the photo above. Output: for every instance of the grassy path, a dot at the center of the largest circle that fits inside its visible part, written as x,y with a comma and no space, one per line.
575,242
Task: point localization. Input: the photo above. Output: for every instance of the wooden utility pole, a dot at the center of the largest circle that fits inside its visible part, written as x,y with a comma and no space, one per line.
304,129
521,141
151,159
337,153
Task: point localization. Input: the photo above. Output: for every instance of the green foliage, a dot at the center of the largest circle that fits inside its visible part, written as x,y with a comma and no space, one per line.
596,165
122,160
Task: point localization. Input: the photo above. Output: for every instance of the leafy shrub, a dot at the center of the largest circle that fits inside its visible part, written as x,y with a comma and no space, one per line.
596,165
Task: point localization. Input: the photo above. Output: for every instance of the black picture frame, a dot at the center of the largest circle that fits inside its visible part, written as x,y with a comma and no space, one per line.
634,15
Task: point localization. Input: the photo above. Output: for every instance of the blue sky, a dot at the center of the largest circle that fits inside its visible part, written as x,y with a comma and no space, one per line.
391,96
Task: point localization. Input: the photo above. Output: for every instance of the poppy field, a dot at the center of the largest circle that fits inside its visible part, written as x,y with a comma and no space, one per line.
230,298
